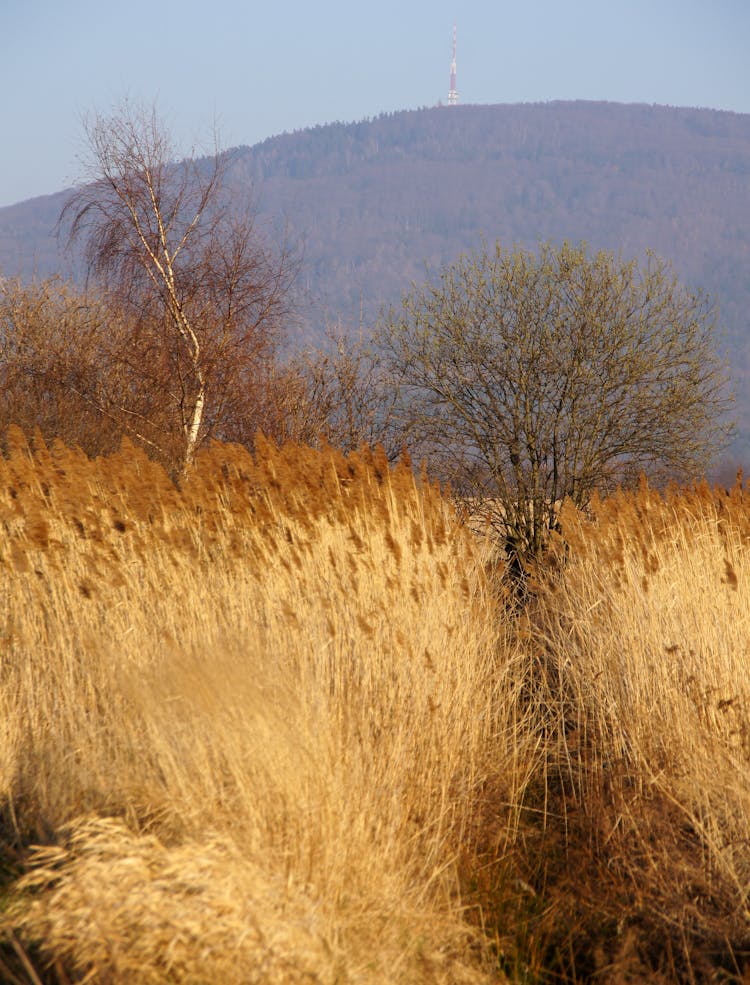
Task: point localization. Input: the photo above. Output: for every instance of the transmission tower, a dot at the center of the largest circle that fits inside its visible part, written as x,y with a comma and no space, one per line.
452,91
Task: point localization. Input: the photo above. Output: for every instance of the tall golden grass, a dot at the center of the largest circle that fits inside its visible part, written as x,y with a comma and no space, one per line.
642,640
247,724
279,726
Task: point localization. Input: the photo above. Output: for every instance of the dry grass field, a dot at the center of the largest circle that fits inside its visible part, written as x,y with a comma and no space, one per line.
283,725
642,643
246,724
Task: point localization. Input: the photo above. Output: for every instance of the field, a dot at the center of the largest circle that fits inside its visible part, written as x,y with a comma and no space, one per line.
288,724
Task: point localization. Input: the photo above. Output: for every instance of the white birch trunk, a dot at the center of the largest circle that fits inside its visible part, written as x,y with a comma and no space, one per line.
193,430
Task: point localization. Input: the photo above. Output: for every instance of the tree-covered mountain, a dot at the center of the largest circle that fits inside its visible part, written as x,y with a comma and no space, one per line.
372,202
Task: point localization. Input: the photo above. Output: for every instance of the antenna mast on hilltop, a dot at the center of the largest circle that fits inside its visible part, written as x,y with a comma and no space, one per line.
452,92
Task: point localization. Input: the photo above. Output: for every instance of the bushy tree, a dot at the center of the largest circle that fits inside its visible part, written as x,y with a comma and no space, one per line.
531,377
57,374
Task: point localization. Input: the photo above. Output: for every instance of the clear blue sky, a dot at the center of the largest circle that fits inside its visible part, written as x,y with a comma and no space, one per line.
262,69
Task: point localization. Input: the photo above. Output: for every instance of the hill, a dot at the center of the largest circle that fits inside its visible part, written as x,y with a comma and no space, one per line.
371,202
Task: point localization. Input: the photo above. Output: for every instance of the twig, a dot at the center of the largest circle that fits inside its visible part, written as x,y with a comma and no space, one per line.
35,979
8,976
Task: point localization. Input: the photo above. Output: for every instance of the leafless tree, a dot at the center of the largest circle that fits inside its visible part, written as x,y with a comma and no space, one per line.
344,396
56,375
534,377
205,296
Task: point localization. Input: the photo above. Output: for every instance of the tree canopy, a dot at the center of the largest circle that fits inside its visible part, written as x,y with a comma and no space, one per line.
531,377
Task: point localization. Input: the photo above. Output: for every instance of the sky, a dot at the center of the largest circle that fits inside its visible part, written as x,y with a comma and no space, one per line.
256,70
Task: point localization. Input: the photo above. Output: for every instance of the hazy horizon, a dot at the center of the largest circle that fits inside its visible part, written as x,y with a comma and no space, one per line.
264,72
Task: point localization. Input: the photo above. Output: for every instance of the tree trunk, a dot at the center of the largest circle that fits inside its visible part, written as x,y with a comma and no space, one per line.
192,432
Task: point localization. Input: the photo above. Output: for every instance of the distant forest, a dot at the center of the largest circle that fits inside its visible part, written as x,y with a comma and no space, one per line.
370,204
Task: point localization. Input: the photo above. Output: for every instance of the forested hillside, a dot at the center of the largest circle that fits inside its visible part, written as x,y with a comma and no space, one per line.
371,202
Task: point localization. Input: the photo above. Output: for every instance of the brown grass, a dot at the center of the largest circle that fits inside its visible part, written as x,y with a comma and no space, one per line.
277,726
248,723
641,646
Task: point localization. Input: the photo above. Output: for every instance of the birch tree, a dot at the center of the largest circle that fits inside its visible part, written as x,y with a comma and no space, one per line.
204,294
